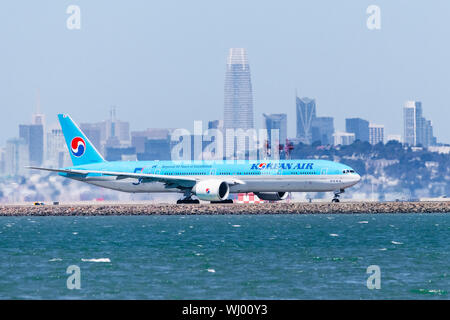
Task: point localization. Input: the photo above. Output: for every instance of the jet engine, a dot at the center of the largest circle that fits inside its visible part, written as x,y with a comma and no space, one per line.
272,196
211,190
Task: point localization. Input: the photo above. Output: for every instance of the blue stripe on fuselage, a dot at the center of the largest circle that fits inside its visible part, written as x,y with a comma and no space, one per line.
219,168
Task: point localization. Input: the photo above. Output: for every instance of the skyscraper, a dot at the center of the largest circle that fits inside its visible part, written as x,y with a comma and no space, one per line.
306,113
412,112
277,121
359,127
33,135
56,155
417,129
16,157
108,133
238,102
93,132
323,129
376,133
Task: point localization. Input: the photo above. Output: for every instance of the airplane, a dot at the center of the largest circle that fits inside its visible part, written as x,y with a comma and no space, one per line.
209,180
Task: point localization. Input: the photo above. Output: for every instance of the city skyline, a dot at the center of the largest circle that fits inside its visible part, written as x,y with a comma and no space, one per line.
178,75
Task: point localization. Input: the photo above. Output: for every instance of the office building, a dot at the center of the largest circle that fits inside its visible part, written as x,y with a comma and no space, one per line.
276,121
418,131
359,127
376,133
322,130
93,132
343,138
110,133
16,157
33,135
156,149
57,155
306,113
121,154
152,144
139,138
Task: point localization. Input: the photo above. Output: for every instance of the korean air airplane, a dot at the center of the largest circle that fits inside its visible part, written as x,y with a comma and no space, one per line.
207,180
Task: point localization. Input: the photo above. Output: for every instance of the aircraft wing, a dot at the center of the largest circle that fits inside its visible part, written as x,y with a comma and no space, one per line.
170,181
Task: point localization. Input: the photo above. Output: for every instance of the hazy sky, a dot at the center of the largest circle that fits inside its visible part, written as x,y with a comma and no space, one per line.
162,63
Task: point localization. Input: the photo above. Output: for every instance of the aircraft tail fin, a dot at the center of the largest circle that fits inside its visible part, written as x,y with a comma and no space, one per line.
81,150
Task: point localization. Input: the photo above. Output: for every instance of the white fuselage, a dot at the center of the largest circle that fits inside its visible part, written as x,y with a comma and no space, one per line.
264,183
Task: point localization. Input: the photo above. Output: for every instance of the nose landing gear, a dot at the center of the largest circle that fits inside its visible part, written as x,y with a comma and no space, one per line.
337,193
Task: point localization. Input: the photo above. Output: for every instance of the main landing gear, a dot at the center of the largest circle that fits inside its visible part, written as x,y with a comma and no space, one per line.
337,193
188,199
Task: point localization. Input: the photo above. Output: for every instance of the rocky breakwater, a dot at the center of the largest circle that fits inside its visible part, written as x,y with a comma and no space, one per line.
216,209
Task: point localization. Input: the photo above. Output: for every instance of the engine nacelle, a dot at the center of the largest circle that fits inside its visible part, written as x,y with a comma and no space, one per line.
211,190
272,196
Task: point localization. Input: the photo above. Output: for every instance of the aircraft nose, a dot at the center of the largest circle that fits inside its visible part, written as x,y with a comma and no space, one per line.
357,177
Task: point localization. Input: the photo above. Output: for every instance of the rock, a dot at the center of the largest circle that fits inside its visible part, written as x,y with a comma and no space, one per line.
236,209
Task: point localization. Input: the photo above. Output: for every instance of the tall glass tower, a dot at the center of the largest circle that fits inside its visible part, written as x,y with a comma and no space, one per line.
306,113
417,129
238,104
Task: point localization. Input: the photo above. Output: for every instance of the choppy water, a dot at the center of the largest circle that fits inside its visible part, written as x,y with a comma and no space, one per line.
226,257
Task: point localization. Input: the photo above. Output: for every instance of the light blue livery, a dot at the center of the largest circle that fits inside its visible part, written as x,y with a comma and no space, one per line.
207,180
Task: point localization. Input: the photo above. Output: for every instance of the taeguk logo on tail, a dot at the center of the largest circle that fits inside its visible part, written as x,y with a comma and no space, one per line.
78,146
208,191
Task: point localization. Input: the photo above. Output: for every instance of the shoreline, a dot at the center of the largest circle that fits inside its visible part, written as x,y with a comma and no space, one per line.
224,209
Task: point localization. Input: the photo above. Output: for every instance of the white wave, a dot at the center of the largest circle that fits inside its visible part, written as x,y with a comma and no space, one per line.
363,221
395,242
383,249
75,233
334,235
55,259
211,270
236,225
96,260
